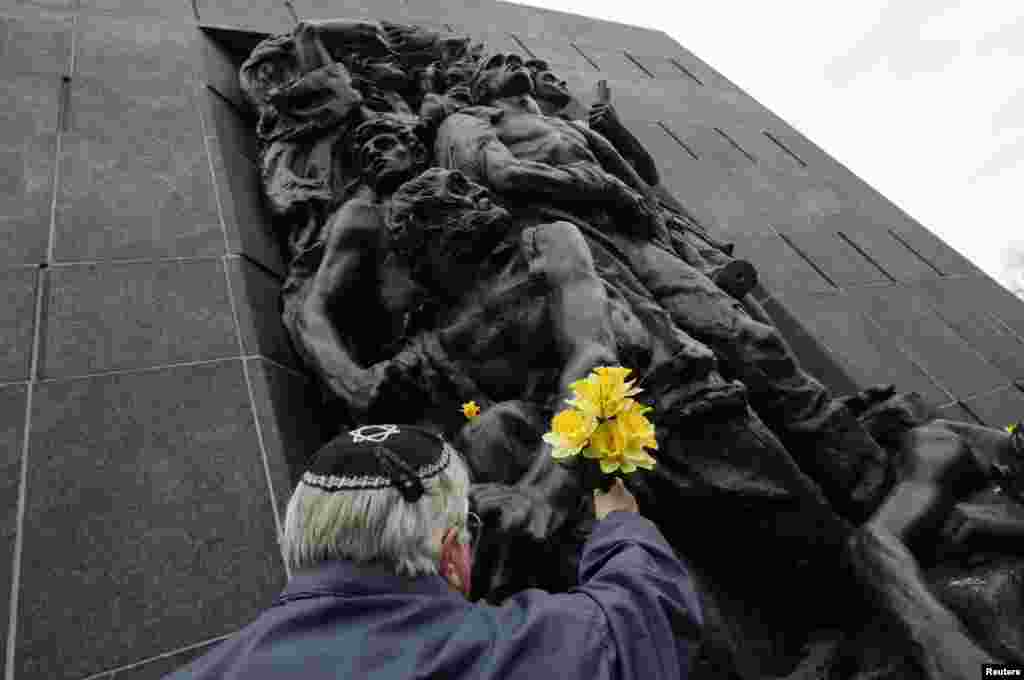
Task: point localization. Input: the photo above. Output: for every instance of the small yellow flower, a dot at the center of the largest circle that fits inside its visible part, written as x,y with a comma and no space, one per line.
470,409
604,392
570,431
1012,428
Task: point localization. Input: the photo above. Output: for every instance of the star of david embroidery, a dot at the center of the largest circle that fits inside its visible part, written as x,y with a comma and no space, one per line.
373,433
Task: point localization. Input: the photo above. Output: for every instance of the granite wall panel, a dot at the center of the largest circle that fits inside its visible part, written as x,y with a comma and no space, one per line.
17,322
998,408
947,358
220,69
157,668
135,177
147,509
168,9
293,422
127,316
867,352
36,44
247,223
257,294
12,431
26,195
137,51
974,313
267,16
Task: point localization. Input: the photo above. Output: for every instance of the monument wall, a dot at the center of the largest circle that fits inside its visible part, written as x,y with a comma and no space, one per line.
152,412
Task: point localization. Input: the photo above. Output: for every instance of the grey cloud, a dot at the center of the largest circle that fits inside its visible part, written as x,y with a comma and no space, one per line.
1008,156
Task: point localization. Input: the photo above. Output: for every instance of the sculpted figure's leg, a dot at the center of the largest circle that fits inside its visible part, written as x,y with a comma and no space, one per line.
825,437
579,306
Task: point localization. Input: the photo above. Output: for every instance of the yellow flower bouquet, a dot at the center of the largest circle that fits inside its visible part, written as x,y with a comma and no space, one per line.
605,425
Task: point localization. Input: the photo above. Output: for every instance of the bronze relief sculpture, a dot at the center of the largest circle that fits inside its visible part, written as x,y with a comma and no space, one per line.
454,237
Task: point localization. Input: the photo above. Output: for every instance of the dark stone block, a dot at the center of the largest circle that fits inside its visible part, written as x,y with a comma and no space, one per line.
246,218
882,248
104,110
135,199
840,261
40,44
562,56
869,354
955,412
768,154
267,16
983,292
17,320
258,303
166,312
495,41
712,146
31,104
814,356
999,408
928,246
151,489
664,68
12,432
137,51
293,421
156,669
967,306
780,268
173,9
713,198
613,62
949,360
220,70
26,194
224,121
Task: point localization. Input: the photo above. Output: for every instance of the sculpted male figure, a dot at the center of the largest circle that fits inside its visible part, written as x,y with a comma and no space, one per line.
503,145
690,241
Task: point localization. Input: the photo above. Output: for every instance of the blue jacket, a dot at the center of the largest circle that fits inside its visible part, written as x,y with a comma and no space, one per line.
634,615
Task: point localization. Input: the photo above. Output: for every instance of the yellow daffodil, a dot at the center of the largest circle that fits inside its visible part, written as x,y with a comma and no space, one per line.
570,431
604,392
606,445
470,409
637,434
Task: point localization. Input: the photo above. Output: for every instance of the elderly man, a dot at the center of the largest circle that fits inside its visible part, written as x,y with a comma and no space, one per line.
375,537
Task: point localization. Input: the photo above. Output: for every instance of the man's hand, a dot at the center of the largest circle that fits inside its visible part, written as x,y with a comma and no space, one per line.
602,118
366,388
617,498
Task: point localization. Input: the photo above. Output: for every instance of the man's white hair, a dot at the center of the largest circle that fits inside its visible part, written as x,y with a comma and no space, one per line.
376,525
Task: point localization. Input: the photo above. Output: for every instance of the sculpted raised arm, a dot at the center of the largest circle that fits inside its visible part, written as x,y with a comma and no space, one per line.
354,238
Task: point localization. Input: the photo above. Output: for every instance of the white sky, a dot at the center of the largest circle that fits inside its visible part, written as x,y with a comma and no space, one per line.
923,99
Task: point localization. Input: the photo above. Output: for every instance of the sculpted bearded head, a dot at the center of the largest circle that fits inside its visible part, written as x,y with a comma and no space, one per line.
500,75
443,225
548,86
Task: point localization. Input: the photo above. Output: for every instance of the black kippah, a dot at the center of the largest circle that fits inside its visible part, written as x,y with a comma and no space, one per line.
378,456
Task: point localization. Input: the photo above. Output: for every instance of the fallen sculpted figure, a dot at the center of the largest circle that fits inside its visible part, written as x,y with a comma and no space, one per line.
482,309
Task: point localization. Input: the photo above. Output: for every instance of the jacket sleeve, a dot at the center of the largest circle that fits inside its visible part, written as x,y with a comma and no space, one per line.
646,595
634,615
